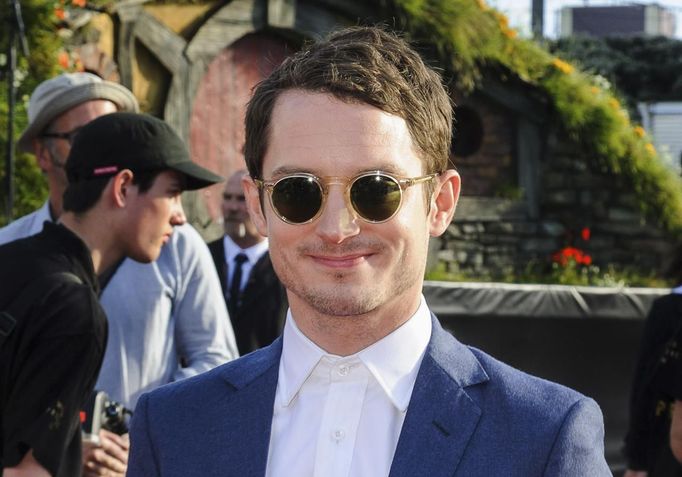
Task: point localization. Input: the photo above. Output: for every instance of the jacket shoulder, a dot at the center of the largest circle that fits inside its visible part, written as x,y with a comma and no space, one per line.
530,394
222,380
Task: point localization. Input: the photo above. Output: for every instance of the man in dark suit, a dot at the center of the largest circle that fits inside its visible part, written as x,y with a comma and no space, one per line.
254,295
347,145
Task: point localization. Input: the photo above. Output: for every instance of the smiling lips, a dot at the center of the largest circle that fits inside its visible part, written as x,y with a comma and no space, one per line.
344,261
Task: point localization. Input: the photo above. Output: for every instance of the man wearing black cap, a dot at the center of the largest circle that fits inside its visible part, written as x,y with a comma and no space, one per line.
160,314
126,173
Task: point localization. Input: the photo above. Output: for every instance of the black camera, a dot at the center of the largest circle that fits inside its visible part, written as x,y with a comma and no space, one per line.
104,413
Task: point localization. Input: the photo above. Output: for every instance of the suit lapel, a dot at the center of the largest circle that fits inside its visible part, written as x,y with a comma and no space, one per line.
441,416
255,390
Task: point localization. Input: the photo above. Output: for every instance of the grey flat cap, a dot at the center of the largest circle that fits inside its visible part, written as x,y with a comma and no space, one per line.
61,93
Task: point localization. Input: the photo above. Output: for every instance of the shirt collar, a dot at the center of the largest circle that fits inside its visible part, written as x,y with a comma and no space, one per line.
43,214
393,361
253,253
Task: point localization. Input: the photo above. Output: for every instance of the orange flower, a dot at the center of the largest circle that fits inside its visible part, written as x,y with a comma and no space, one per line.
510,33
563,66
63,59
639,130
613,102
60,13
79,3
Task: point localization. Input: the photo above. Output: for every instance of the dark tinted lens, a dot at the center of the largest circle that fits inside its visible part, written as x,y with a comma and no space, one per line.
297,199
375,198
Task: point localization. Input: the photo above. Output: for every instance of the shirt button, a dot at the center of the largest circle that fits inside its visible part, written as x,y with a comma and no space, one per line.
344,370
338,435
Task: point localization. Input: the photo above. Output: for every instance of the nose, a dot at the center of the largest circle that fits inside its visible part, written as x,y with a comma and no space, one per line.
178,213
337,221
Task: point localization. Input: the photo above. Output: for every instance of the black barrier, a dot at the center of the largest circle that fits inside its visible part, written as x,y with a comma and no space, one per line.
586,338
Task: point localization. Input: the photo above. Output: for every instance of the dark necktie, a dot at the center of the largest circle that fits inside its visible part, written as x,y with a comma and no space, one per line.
235,286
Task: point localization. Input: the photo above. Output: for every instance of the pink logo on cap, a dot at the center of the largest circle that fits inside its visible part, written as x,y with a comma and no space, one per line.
100,171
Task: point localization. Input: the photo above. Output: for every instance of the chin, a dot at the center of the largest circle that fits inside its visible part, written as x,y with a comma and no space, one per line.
145,256
341,301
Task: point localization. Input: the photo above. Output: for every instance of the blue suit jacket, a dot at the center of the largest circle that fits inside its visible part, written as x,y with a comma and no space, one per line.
469,415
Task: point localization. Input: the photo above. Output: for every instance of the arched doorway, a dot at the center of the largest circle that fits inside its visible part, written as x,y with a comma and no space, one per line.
216,128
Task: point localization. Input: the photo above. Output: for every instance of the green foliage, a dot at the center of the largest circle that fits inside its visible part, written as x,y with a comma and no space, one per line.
641,68
470,36
39,20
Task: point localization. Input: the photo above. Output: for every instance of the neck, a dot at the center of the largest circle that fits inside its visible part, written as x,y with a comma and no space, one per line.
347,335
96,235
55,203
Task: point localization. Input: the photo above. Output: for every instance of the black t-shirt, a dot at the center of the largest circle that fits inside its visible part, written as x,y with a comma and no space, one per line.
49,364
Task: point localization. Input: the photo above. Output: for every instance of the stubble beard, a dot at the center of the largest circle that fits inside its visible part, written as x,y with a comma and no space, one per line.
344,297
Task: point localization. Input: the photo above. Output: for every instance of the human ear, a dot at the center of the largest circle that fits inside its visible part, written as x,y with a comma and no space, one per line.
121,185
253,205
42,155
443,202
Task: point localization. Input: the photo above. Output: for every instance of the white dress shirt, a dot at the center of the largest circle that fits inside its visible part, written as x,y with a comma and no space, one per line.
341,416
253,254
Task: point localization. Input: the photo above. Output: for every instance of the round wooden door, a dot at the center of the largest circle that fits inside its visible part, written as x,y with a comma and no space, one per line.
217,120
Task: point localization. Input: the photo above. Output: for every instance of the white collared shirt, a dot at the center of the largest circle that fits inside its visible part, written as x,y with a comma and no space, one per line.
253,254
342,416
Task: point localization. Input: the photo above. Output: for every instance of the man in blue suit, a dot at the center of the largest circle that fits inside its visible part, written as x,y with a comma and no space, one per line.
347,146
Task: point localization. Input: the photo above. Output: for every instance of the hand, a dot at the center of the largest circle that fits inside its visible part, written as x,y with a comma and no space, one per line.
109,458
635,473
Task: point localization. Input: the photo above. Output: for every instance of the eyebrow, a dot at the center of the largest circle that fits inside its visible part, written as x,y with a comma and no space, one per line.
384,167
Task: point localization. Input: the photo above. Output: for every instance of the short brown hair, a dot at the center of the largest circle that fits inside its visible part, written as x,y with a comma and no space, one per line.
366,65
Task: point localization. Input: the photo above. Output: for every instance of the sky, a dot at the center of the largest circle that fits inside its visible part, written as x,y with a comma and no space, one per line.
518,12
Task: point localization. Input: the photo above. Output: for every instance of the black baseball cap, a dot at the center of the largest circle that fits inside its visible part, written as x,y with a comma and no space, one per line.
138,142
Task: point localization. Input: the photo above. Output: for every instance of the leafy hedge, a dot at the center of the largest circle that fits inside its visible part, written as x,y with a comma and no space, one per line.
471,37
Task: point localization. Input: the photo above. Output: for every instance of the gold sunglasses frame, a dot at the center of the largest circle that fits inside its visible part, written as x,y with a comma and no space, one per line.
324,182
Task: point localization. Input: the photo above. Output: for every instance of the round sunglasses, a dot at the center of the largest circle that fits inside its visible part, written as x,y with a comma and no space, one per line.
375,196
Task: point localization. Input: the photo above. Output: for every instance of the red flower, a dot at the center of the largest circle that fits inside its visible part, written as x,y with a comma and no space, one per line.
566,254
585,234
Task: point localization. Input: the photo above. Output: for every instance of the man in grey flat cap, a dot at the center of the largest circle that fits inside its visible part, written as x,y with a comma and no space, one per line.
160,314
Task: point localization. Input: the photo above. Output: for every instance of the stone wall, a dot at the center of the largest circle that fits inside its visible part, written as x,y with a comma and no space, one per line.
495,236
